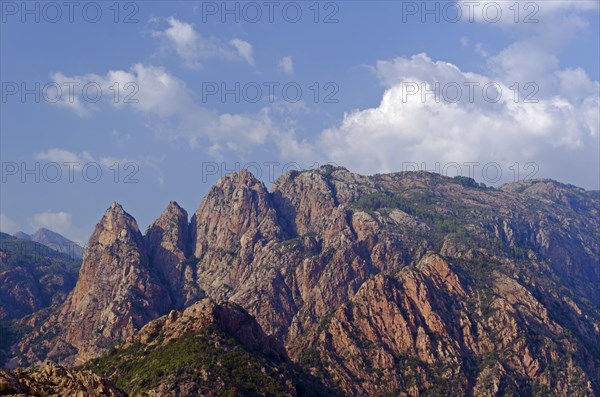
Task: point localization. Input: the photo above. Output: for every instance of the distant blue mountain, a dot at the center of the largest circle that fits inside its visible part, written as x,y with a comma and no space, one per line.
53,240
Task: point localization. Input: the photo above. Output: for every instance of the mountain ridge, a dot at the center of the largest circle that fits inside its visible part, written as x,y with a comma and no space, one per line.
298,254
53,240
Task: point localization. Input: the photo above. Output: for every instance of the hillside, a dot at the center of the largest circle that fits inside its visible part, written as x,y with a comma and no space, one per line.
397,284
32,276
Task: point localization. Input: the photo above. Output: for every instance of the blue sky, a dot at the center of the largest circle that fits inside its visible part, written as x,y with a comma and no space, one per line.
379,80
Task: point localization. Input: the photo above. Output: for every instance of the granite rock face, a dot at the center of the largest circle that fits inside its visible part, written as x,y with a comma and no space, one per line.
56,380
116,294
395,283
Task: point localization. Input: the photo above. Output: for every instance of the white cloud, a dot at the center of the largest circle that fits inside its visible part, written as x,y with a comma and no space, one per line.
78,160
62,156
7,225
523,62
175,114
286,65
516,14
244,50
192,47
558,132
60,222
184,39
74,100
148,89
480,50
121,138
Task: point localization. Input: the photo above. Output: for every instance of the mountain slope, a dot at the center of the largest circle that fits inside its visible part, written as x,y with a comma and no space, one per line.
429,331
53,240
314,253
207,350
32,277
116,294
56,241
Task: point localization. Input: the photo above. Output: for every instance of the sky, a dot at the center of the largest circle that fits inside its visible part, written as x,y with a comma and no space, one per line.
144,102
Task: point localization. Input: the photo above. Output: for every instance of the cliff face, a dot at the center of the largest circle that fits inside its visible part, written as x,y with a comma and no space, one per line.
168,242
429,331
383,284
116,294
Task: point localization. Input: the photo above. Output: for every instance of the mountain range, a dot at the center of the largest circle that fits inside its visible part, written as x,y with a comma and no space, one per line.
403,284
53,240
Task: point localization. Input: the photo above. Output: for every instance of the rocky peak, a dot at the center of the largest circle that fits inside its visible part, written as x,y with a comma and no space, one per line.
22,236
556,192
244,177
308,202
168,243
237,208
409,274
169,231
228,318
209,350
116,225
116,294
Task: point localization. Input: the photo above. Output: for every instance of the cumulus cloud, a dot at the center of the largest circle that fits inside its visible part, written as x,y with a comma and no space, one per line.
183,39
286,65
192,47
60,222
175,113
523,109
418,121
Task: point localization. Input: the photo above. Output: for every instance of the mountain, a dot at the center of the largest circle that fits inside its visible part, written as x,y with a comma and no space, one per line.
32,277
22,236
406,284
116,294
207,350
53,240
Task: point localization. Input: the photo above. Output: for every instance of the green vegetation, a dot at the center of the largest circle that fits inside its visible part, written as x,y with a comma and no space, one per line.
326,170
206,358
35,256
422,207
376,201
311,358
468,182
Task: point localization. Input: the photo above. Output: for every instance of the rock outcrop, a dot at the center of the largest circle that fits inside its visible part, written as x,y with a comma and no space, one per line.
429,330
116,294
56,380
378,284
206,350
168,242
